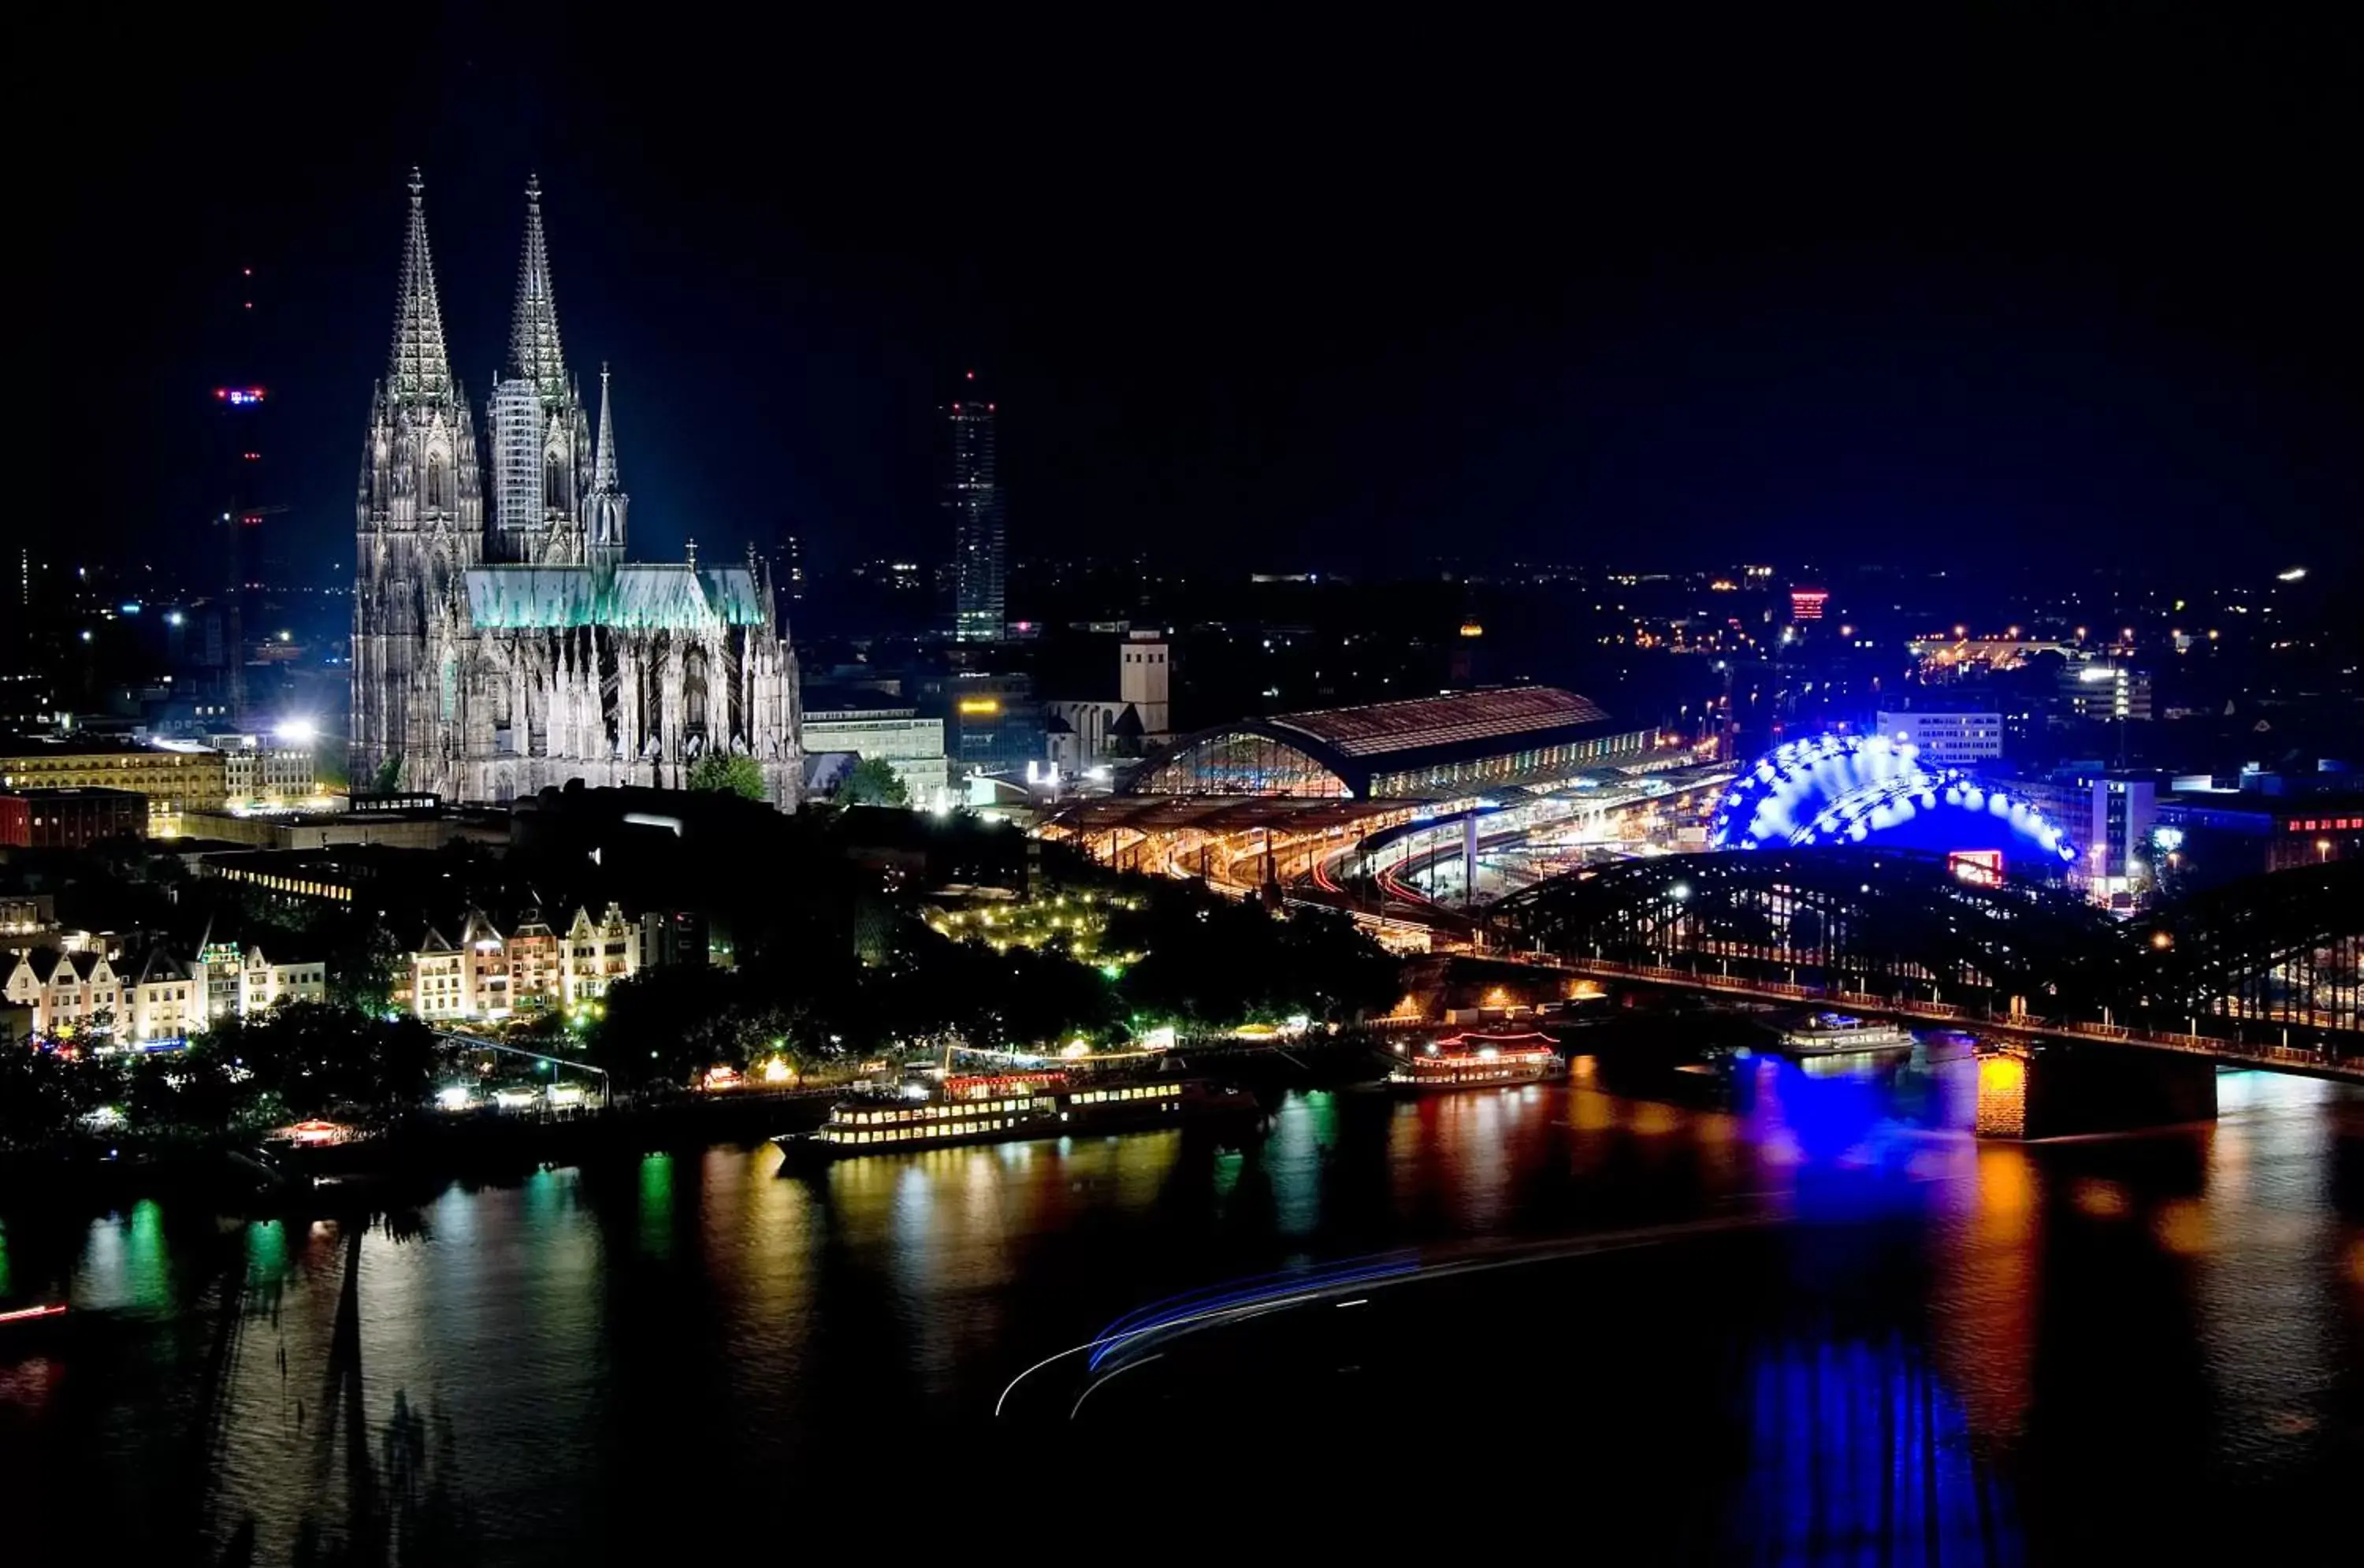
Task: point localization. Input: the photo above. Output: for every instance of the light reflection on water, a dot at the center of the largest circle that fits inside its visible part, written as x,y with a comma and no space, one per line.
535,1355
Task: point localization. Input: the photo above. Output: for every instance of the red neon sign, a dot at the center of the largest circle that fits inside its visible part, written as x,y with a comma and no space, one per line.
1979,868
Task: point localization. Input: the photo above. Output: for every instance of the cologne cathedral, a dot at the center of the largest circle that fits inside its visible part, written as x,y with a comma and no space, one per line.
502,641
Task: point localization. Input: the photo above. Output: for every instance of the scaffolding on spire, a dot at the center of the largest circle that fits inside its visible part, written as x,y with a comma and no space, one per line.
534,351
420,369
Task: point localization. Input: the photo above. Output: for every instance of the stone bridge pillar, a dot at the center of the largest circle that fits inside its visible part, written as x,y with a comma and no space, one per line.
2058,1089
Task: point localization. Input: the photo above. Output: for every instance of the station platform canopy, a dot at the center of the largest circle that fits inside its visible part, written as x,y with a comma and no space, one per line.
1218,814
1419,747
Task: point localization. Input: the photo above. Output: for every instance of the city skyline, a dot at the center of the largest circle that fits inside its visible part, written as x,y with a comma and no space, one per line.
1683,682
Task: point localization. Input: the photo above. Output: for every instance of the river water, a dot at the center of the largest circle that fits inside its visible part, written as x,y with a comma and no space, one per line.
1823,1325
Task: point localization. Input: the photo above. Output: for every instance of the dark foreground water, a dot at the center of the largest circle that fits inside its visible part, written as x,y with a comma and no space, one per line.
1824,1327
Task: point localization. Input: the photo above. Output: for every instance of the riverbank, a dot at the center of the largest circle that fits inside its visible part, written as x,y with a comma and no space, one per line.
237,1172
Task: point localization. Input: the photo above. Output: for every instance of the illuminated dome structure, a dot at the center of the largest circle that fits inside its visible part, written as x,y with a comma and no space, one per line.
1852,790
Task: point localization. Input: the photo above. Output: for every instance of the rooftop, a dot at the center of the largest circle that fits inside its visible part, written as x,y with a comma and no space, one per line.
1417,723
640,595
78,792
87,745
1221,814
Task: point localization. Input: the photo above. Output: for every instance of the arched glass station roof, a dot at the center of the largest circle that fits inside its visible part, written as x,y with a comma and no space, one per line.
1420,746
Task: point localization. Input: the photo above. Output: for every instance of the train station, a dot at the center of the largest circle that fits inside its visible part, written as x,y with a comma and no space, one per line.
1295,798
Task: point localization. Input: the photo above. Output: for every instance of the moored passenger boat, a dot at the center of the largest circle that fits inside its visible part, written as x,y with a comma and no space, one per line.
1832,1034
1008,1108
1472,1061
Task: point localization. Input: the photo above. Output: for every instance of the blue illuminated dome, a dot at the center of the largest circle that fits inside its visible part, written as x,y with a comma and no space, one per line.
1852,790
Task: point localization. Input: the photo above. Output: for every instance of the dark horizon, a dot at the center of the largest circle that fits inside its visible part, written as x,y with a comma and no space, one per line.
1926,299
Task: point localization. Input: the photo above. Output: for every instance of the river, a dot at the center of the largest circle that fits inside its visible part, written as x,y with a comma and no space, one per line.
1824,1325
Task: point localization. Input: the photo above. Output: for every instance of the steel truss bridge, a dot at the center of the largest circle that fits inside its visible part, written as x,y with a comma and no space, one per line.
2268,972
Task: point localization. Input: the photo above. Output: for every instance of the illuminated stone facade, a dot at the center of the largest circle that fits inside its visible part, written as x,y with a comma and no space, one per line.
498,653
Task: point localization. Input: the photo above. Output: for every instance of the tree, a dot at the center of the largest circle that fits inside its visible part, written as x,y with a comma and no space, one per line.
874,781
729,772
40,1096
364,960
389,775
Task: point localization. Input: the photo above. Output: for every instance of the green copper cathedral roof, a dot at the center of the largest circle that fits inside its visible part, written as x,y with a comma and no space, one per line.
662,597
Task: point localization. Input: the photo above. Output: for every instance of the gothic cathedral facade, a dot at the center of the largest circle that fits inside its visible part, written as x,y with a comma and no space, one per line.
502,642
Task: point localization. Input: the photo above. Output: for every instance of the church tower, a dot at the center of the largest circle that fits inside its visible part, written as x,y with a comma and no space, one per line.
540,435
419,520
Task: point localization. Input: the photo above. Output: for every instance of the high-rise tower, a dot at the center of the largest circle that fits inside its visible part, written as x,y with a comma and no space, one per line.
246,505
973,497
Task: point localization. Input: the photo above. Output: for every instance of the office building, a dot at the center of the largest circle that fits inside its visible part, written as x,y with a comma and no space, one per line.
993,724
70,819
1947,740
2215,836
912,746
258,770
2110,818
2104,690
973,498
788,568
174,778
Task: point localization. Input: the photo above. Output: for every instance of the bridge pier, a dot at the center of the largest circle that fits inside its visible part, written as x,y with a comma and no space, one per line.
2063,1090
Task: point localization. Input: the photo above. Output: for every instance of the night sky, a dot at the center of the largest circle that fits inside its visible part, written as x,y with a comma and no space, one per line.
1345,298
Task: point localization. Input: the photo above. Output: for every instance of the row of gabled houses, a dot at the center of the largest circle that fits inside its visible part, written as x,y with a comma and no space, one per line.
153,996
491,975
80,990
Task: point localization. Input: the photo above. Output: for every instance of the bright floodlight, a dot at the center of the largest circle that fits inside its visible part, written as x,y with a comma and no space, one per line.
298,732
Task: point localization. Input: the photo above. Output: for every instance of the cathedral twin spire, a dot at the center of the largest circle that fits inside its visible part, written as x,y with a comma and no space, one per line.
420,371
421,367
534,351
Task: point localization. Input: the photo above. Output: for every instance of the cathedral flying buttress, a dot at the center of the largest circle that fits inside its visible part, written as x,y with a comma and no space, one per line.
502,642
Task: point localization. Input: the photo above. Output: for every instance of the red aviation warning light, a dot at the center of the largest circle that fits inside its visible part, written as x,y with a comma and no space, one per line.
238,397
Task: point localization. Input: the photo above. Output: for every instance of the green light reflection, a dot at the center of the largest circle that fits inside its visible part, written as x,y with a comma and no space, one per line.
656,1206
146,1267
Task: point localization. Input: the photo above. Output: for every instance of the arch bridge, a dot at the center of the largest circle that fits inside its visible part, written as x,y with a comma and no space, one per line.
2264,972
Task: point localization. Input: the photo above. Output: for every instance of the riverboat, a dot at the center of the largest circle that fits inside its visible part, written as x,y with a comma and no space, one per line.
1837,1034
1472,1061
1010,1107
